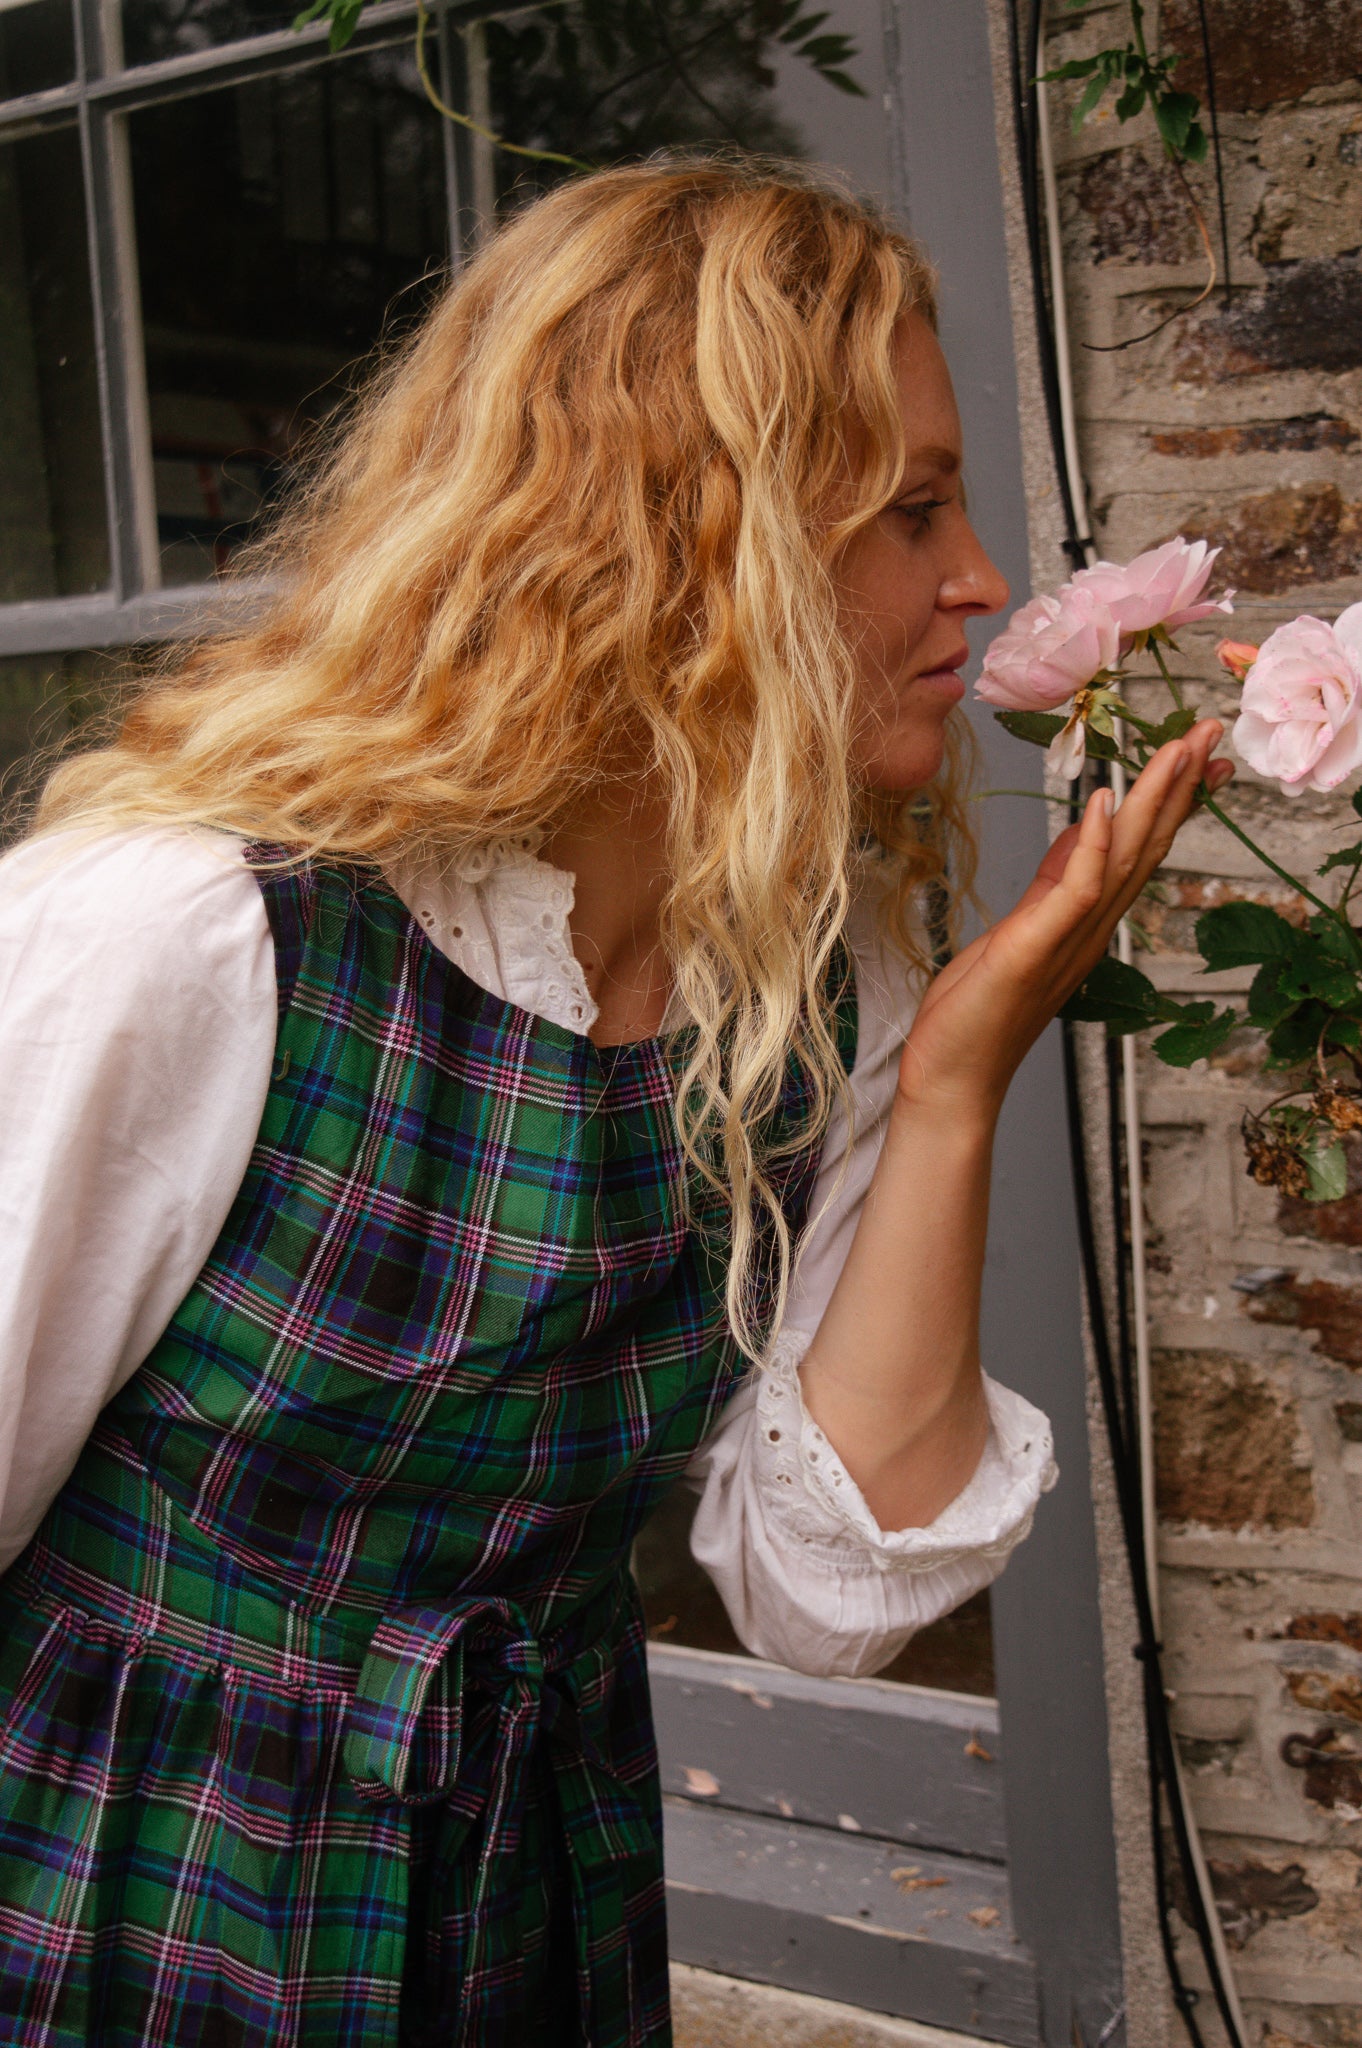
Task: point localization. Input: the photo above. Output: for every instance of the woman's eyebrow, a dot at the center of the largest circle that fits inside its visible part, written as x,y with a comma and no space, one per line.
933,460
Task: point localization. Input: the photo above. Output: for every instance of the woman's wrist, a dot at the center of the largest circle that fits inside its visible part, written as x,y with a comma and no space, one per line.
964,1121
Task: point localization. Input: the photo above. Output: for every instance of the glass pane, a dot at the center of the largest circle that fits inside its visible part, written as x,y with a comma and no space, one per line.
170,28
282,226
37,46
53,532
613,82
680,1605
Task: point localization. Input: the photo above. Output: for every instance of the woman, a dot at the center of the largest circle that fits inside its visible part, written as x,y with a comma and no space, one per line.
432,1028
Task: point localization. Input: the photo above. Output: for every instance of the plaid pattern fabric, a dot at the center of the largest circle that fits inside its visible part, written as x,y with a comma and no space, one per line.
325,1702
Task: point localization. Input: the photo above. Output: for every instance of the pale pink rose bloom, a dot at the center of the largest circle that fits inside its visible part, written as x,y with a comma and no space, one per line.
1048,650
1300,716
1162,587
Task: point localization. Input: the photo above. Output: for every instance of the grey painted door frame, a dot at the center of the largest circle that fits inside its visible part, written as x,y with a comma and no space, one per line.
1047,1622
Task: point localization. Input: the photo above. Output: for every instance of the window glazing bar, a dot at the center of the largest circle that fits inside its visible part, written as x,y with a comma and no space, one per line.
385,22
116,299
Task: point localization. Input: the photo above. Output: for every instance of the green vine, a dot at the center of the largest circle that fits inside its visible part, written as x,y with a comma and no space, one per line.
1140,80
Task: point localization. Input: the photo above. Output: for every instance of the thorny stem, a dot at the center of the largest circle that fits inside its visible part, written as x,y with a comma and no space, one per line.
1166,673
1292,881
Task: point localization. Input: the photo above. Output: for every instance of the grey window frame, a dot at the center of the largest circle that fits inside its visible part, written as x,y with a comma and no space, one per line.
1043,1827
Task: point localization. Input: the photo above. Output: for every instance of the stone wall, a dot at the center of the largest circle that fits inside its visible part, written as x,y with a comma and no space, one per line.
1243,422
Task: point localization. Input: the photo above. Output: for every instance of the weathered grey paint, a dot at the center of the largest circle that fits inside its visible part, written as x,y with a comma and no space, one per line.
1046,1621
909,1932
916,1767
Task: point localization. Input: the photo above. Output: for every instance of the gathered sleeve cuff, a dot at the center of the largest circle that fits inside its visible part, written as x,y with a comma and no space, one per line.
808,1576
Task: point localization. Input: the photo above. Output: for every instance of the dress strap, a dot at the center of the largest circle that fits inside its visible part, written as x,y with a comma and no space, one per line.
289,895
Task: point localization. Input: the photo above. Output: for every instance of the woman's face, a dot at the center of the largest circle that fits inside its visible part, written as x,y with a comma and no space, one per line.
908,582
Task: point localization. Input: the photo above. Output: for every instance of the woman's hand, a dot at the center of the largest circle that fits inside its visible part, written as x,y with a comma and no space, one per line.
985,1010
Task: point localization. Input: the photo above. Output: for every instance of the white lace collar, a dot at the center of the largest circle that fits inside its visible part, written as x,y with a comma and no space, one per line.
501,914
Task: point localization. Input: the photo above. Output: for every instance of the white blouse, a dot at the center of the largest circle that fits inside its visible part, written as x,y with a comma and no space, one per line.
137,1030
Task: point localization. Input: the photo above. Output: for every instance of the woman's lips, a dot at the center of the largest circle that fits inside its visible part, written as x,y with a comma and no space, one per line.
946,680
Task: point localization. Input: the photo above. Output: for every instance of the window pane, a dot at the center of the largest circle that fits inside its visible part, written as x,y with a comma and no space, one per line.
37,47
282,226
170,28
616,81
53,533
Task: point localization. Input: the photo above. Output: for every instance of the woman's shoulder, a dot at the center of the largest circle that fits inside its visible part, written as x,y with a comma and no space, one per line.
153,904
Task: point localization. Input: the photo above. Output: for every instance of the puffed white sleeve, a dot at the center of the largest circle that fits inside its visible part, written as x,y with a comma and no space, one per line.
137,1027
808,1577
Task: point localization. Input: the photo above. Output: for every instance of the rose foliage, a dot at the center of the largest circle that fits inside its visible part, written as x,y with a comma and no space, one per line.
1057,673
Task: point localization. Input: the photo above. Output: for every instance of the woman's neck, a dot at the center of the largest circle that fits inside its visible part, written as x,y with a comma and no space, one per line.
614,843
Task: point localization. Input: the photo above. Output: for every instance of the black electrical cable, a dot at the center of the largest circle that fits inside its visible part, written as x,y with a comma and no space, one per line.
1116,1382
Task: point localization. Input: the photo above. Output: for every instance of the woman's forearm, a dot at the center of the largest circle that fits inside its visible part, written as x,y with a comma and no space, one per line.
892,1376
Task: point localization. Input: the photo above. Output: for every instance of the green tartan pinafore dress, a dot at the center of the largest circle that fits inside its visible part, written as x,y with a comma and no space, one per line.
323,1699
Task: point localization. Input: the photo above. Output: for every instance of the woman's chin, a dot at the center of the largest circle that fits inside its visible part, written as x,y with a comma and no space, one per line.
898,769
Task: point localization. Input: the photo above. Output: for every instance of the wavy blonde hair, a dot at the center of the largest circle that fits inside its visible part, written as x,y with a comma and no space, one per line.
591,511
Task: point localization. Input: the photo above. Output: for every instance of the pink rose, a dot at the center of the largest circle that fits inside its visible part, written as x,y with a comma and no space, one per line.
1300,716
1049,649
1159,588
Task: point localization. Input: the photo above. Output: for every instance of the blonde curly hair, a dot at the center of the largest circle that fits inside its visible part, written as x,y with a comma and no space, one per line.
596,501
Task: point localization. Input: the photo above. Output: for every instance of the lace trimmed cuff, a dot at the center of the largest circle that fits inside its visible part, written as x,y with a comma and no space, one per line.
812,1498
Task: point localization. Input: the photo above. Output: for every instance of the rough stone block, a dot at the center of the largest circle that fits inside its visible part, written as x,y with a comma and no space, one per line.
1296,535
1264,51
1332,1311
1204,1401
1326,1628
1301,433
1307,315
1132,210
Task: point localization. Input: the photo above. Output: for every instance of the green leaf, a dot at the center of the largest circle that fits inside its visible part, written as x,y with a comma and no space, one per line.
1077,67
1186,1043
1357,801
843,82
1091,96
1343,857
1130,102
1268,1004
1327,983
1039,727
827,49
1296,1037
1175,725
1175,113
1196,145
1115,995
1243,935
1327,1166
1345,1031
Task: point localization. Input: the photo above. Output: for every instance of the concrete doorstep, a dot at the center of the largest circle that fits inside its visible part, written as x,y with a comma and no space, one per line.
710,2011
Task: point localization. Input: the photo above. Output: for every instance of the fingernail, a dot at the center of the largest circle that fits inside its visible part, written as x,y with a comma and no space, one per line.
1106,801
1180,760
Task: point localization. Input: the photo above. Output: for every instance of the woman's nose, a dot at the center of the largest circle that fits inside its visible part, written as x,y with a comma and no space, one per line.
977,583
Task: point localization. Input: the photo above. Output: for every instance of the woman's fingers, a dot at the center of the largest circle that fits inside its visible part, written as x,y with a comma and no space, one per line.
1159,802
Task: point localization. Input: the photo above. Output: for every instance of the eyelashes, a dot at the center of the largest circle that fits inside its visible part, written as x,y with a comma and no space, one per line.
921,509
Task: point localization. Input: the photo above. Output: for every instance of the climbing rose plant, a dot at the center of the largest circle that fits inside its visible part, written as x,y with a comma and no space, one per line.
1058,672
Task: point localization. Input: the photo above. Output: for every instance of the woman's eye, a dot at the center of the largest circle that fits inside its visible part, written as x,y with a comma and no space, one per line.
921,509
